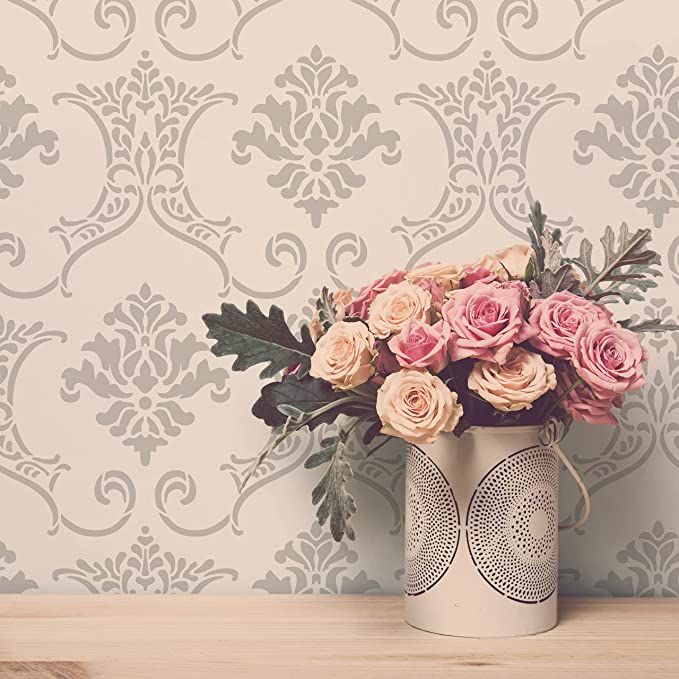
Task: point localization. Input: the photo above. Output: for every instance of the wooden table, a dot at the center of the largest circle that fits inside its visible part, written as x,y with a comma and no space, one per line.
107,637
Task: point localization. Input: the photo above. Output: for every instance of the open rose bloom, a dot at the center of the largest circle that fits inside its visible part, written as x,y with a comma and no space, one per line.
520,336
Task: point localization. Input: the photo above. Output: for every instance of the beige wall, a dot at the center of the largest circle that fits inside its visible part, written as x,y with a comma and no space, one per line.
155,157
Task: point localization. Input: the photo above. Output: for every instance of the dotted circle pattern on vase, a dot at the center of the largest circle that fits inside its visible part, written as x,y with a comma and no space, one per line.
432,523
512,525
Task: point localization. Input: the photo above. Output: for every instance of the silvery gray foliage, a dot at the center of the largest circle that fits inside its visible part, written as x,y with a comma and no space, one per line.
628,265
331,496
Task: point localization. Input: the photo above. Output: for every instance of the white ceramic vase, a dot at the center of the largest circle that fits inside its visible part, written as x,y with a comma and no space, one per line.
482,534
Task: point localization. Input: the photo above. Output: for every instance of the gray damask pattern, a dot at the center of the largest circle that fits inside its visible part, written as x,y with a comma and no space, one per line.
12,581
641,133
107,14
316,135
145,569
526,13
445,14
486,119
314,564
144,367
649,566
19,138
165,90
42,473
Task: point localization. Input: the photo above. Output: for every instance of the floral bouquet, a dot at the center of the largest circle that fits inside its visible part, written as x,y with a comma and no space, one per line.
520,337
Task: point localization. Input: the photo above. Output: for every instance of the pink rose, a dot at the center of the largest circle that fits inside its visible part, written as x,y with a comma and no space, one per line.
608,358
360,306
581,402
558,318
477,275
419,345
486,321
438,279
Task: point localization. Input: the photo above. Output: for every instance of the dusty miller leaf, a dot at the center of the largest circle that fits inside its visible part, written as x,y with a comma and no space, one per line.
255,338
536,233
555,281
326,309
649,325
331,496
627,269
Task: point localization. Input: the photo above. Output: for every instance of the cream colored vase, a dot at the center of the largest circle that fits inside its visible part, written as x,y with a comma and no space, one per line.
482,534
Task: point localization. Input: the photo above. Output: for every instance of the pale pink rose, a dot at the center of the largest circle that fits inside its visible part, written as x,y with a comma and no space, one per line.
360,306
522,379
419,345
396,306
477,275
341,299
515,260
558,318
486,321
521,286
417,406
344,355
581,402
608,358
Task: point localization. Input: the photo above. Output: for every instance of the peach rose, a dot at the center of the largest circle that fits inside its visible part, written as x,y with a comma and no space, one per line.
315,326
417,406
515,260
396,306
344,355
341,299
515,384
422,346
439,279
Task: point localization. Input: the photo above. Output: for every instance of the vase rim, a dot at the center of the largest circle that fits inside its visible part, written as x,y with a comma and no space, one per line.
519,429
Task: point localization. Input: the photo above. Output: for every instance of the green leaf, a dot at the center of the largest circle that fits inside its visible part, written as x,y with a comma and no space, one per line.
305,394
255,338
331,496
649,325
629,265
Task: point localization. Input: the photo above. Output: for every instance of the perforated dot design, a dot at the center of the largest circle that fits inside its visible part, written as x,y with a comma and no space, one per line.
512,525
432,523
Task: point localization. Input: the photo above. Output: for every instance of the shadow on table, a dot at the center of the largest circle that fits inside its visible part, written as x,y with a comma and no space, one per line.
43,670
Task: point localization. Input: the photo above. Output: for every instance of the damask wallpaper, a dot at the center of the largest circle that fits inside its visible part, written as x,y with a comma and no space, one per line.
159,156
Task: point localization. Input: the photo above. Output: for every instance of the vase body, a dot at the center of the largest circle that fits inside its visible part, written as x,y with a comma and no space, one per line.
481,534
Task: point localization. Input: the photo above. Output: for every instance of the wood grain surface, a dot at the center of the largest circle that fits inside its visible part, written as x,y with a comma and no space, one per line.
111,637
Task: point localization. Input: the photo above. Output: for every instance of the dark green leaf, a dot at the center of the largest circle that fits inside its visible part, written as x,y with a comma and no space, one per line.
255,338
372,431
306,395
335,502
